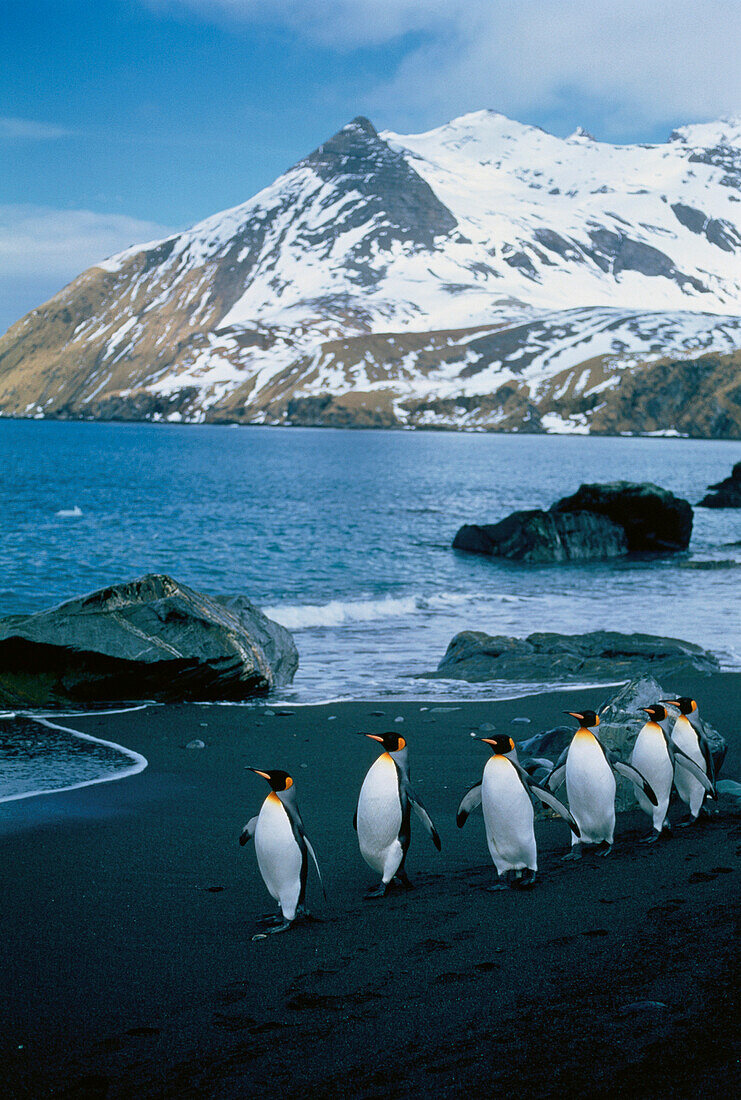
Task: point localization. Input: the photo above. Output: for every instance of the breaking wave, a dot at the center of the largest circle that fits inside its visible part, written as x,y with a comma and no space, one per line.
342,612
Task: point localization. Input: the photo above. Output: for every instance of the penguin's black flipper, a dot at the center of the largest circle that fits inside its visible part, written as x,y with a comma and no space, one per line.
355,821
312,853
707,755
471,799
426,820
631,773
684,761
557,776
550,800
248,832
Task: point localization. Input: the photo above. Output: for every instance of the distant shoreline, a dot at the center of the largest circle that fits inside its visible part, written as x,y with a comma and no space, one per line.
424,429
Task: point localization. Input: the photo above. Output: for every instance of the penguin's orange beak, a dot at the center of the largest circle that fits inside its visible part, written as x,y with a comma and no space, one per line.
374,737
669,702
575,715
258,772
646,710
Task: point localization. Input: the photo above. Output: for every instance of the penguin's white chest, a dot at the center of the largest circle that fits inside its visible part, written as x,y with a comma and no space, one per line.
689,789
278,855
508,817
651,757
379,813
590,786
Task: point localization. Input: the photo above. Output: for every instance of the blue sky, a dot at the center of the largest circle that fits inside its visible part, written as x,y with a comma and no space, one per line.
121,120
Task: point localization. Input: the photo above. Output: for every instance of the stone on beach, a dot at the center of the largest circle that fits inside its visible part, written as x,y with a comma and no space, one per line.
150,638
600,655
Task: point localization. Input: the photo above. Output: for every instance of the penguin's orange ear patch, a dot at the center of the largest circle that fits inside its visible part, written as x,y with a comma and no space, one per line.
289,782
402,744
511,744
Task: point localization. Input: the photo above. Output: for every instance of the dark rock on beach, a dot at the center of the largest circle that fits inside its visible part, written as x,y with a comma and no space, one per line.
725,493
597,522
600,655
654,520
151,638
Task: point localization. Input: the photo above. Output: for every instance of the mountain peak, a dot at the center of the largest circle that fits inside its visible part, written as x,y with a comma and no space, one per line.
580,134
718,132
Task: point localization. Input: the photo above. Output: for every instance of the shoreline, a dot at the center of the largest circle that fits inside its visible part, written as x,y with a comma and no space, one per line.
428,428
127,944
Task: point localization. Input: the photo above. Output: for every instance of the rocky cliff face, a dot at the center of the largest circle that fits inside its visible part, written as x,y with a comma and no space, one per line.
484,275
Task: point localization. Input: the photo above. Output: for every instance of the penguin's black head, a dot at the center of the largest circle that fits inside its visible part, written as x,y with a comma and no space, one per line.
684,703
500,744
391,741
588,718
656,712
278,780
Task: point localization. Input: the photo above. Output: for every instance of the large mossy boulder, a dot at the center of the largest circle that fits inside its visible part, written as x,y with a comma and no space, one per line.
601,655
725,493
621,719
653,519
151,638
597,522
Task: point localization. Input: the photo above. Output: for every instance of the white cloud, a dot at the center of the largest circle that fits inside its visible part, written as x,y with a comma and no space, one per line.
27,129
42,249
631,63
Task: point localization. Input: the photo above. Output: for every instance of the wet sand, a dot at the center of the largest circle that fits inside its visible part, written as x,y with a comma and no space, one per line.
128,909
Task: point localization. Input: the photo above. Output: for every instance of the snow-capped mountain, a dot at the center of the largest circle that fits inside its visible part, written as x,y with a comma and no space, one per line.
484,274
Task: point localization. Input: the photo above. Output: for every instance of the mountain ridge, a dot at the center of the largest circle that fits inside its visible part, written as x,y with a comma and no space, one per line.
300,300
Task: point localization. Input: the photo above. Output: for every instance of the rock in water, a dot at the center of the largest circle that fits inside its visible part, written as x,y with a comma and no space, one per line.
654,520
537,536
151,638
600,655
725,493
596,522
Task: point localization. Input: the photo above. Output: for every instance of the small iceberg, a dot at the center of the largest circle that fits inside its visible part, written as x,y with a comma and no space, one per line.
69,513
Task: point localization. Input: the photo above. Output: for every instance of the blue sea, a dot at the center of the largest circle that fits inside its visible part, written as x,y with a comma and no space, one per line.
345,536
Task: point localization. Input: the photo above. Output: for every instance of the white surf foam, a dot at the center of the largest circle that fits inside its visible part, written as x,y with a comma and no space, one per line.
341,612
138,764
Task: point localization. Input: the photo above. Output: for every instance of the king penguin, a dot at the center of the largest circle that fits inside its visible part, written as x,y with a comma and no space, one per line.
282,848
506,793
653,757
589,769
382,819
689,737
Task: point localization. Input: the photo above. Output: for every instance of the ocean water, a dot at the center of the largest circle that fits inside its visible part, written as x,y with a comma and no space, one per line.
344,536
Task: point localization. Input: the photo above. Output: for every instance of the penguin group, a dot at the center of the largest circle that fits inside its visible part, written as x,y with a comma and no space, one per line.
507,794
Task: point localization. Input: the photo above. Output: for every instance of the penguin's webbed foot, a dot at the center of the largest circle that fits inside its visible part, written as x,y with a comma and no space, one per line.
379,891
271,918
497,887
574,854
687,822
604,849
650,839
401,878
524,879
283,927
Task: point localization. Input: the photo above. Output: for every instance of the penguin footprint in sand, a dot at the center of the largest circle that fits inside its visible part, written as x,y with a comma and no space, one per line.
589,770
507,796
282,848
383,817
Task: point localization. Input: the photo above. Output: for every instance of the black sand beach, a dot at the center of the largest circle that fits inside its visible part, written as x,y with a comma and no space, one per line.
128,910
